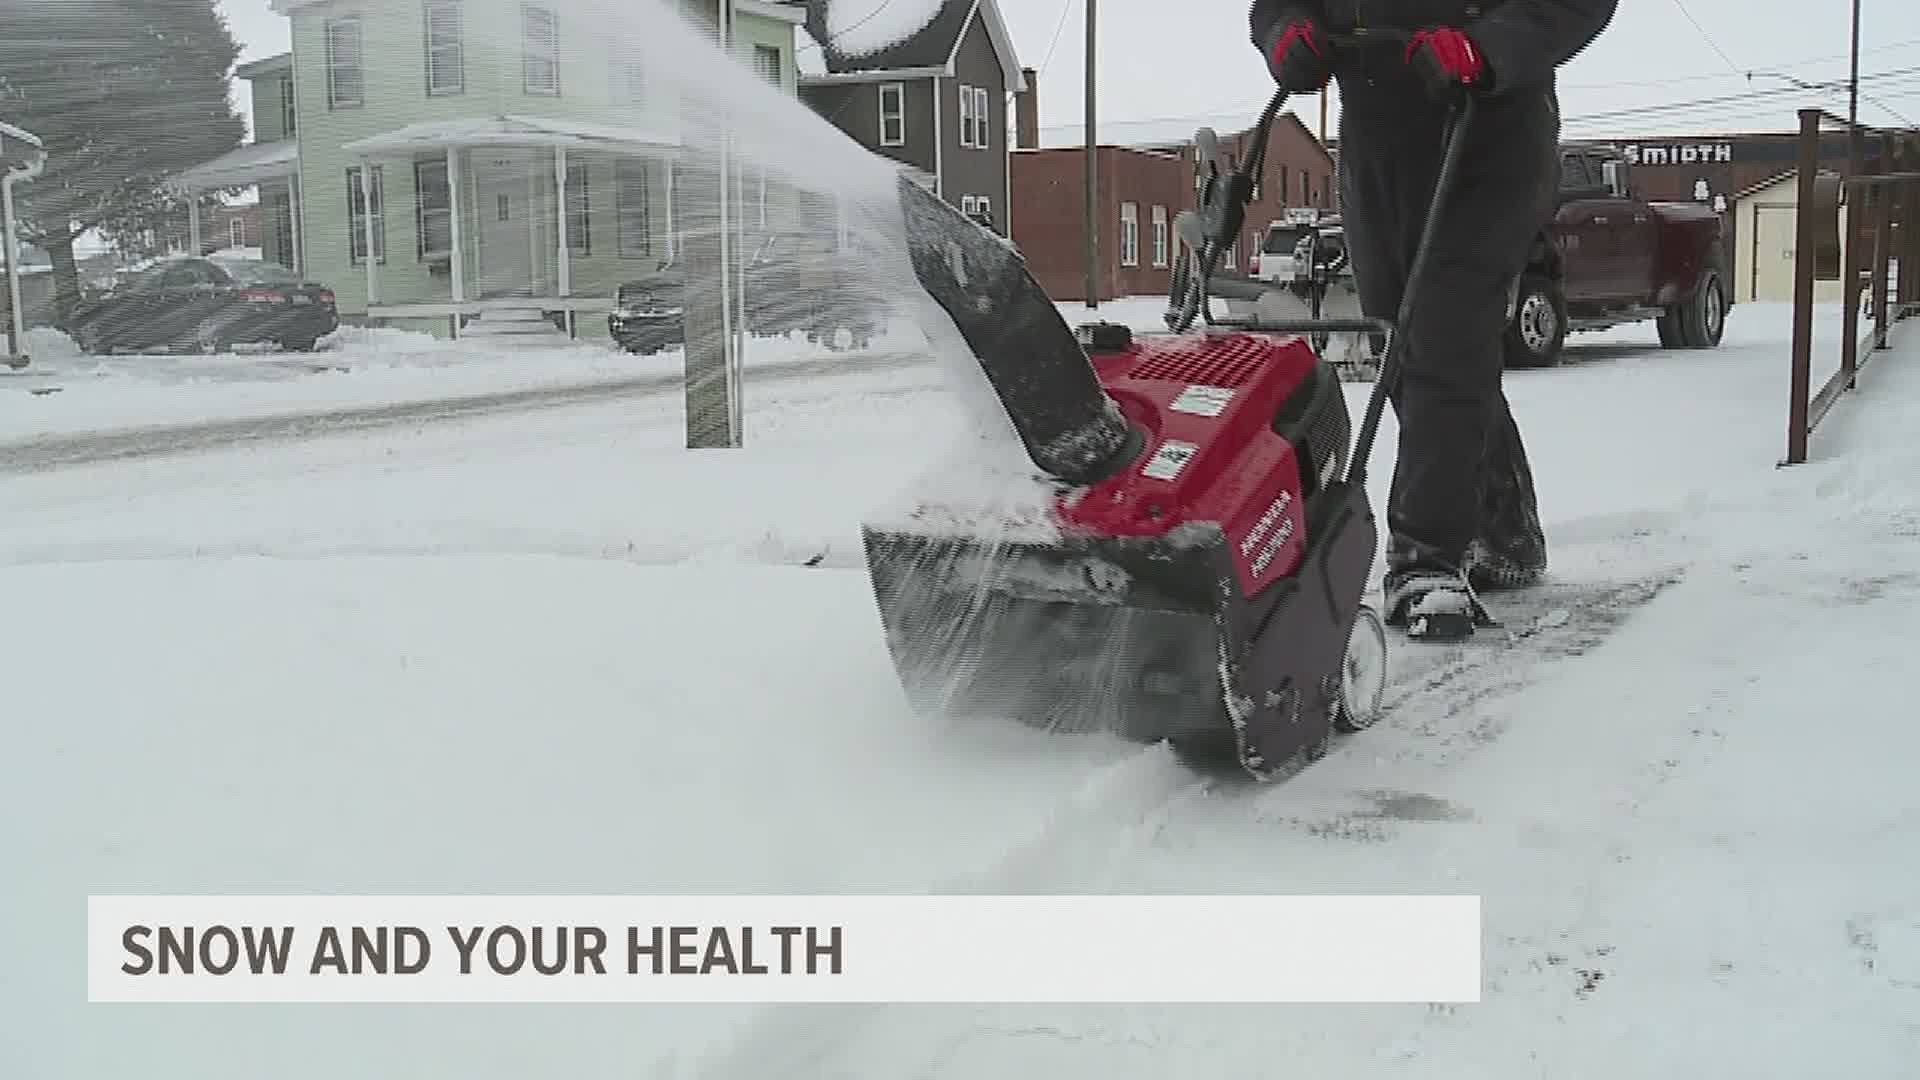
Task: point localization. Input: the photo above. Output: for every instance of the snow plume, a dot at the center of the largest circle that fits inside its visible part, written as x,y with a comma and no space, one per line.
818,228
807,200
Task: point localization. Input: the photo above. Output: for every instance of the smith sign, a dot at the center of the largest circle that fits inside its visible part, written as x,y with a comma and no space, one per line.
1680,154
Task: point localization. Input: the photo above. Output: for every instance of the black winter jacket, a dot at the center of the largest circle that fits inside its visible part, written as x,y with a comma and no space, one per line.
1524,41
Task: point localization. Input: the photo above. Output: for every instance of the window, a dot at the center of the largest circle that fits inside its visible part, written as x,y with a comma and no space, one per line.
346,81
975,118
1129,234
432,208
1306,190
633,206
629,75
446,56
767,64
357,214
1285,176
539,50
236,233
1160,253
579,212
280,224
893,114
288,125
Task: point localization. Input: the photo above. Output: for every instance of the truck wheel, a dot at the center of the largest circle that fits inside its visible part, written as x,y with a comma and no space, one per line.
1539,326
1671,335
1702,317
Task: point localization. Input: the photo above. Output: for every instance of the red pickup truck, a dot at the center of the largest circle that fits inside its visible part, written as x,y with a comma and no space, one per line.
1609,257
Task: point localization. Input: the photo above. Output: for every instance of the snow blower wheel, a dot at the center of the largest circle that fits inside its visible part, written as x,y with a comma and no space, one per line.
1363,674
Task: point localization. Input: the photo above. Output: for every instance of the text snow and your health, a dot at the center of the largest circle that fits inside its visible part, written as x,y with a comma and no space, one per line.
219,949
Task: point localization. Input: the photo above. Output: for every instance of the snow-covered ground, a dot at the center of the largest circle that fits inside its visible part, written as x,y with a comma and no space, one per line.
66,392
557,652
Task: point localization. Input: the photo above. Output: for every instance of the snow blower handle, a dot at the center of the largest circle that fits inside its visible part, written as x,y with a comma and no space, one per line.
1212,229
1460,117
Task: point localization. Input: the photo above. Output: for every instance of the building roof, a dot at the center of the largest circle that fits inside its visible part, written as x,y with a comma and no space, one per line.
1755,189
268,65
510,131
243,166
1164,135
933,48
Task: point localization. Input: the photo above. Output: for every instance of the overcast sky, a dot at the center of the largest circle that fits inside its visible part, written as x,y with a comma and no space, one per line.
1663,67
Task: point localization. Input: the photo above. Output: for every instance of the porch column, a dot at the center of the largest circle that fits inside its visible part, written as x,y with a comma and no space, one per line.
193,222
294,199
673,223
459,254
373,261
566,252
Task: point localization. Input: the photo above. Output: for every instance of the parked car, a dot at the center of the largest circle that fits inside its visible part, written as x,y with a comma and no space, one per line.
819,295
647,314
206,304
1609,257
1274,262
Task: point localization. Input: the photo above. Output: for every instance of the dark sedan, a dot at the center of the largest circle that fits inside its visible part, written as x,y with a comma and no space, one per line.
207,305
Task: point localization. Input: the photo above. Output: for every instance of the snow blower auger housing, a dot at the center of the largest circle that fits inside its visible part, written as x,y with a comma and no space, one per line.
1200,577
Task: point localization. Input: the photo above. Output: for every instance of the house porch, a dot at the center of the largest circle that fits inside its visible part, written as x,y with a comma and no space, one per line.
513,219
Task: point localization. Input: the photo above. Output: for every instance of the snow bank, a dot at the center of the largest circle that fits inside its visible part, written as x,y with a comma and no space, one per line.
67,392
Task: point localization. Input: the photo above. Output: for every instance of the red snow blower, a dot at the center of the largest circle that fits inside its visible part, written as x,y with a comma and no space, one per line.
1202,579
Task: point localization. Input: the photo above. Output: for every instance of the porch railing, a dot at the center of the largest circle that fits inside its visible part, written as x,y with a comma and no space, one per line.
1883,211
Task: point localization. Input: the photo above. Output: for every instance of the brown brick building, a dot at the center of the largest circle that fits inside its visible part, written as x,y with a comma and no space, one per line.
1142,188
1140,192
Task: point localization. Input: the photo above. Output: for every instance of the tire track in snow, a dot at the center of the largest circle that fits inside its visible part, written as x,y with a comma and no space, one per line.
98,447
1083,846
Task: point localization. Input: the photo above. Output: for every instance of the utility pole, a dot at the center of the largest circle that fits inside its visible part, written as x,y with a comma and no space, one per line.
710,304
1855,155
1093,171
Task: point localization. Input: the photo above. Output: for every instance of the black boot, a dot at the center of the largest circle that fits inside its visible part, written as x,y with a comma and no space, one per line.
1430,597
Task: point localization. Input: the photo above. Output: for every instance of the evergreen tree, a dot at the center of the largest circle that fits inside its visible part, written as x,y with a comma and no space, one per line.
125,94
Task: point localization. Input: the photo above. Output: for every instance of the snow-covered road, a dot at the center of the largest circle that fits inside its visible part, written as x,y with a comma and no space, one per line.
292,423
553,651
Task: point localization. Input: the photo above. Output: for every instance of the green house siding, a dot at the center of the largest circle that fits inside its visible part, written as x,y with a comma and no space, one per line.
486,77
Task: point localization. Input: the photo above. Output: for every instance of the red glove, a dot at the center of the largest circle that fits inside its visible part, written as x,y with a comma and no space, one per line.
1446,58
1294,57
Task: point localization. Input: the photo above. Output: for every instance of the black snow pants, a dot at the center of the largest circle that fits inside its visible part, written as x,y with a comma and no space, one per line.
1461,472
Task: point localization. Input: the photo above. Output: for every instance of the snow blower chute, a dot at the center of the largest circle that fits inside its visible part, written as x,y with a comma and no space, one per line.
1201,580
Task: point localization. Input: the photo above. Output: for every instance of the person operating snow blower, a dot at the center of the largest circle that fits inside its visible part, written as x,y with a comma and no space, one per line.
1461,511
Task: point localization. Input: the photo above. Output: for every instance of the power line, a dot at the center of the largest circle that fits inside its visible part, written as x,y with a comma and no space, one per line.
857,24
1704,36
1736,100
1066,9
1783,65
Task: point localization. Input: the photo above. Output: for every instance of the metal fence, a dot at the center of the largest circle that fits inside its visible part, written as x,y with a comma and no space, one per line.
1882,206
